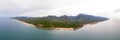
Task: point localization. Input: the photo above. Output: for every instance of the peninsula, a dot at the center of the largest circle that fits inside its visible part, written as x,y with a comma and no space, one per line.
62,22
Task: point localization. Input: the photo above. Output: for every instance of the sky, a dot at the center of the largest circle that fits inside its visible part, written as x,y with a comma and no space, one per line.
40,8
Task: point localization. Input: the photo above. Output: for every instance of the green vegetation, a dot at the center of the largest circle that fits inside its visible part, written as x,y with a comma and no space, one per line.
51,22
47,23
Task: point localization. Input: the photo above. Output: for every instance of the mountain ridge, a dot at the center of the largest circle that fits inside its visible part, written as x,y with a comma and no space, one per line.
50,22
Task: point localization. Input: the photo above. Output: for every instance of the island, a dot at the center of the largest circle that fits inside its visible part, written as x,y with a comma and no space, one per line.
61,23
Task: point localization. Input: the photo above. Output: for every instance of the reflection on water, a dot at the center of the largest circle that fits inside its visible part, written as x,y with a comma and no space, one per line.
13,30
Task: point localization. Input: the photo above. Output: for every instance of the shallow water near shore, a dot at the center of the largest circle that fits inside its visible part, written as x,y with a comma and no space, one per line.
10,29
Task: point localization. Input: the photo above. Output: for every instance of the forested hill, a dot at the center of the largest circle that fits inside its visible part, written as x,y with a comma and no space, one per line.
62,21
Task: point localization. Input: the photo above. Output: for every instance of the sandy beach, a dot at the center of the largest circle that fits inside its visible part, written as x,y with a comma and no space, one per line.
25,23
64,29
53,29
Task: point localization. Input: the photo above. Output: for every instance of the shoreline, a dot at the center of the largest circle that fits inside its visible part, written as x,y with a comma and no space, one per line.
63,29
41,28
25,23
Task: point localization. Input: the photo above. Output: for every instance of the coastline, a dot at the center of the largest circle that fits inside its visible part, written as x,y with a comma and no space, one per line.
25,23
35,26
63,29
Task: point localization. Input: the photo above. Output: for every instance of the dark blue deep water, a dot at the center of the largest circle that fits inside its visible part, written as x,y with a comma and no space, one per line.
10,29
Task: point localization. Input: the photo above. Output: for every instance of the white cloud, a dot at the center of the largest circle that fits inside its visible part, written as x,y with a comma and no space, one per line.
60,7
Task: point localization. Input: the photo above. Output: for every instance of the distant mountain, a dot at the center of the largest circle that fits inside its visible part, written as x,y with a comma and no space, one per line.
90,17
80,17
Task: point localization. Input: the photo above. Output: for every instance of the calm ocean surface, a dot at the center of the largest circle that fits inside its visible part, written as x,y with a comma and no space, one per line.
10,29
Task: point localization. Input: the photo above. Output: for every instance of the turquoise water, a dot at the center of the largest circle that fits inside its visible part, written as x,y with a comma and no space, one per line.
10,29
